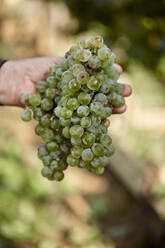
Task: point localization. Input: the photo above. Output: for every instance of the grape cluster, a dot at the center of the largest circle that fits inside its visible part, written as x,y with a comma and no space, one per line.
71,108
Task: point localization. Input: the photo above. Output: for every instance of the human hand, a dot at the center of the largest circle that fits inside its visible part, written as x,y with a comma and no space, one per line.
18,77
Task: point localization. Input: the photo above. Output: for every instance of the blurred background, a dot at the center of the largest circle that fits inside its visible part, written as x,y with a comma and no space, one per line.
87,211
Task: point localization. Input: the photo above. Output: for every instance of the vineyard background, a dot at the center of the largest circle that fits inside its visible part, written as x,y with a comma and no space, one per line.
72,214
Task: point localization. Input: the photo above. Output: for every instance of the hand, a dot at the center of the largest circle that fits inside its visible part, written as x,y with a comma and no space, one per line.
18,77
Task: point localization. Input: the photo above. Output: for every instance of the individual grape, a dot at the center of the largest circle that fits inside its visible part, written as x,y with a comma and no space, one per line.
64,122
98,171
118,88
96,41
109,150
50,93
75,120
42,151
37,113
53,69
27,115
83,77
76,131
76,151
48,135
82,43
106,87
105,140
72,161
93,83
57,111
25,99
63,101
73,50
63,164
88,139
55,155
41,86
83,164
95,162
74,85
52,146
45,120
87,155
46,172
58,138
105,112
58,176
98,149
84,98
46,160
82,111
77,68
64,148
100,97
104,53
83,55
112,72
51,82
85,122
39,130
55,124
72,104
47,104
94,62
35,100
104,160
76,141
65,132
54,166
59,73
67,113
67,76
96,107
116,100
96,121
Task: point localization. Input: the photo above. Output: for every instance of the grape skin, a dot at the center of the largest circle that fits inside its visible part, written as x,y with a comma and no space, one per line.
71,109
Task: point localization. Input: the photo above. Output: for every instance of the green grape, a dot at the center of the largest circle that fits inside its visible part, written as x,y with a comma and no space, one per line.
51,82
66,133
76,131
109,150
82,43
37,113
50,93
100,97
76,151
58,176
82,111
72,161
67,76
55,124
72,104
94,62
47,104
64,122
87,155
46,160
95,163
116,100
52,146
84,98
42,151
41,86
35,100
27,114
39,130
105,140
83,55
85,122
104,53
71,109
98,149
74,85
83,164
46,172
45,120
54,166
75,120
25,99
77,68
83,77
48,135
88,139
93,83
76,141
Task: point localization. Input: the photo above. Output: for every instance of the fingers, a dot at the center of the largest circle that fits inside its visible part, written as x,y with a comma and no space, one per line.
118,68
119,110
57,60
107,123
127,90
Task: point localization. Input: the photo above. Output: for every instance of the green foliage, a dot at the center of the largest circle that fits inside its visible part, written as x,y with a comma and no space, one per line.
136,26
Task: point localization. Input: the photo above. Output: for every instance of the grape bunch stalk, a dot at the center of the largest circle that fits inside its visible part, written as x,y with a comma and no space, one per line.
72,106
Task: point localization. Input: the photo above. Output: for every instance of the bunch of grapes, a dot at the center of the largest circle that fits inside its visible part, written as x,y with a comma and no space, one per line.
71,108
